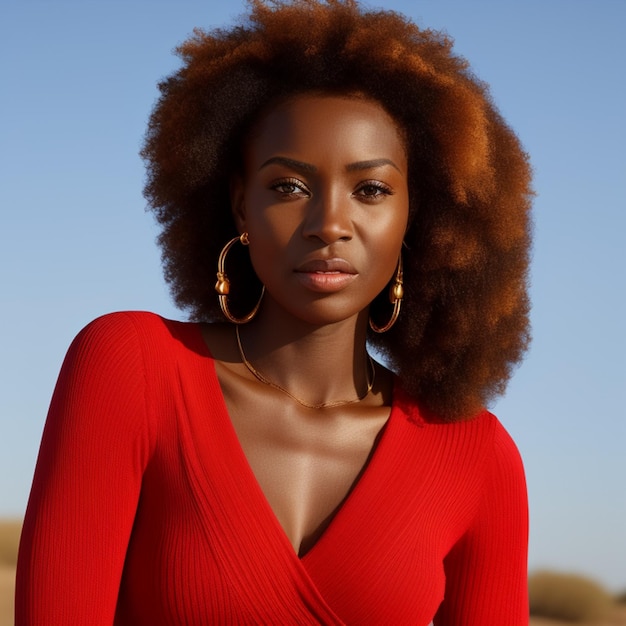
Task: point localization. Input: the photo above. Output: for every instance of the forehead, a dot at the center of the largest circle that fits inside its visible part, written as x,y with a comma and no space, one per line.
347,126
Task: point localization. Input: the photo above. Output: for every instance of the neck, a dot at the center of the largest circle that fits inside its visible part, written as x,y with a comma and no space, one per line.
320,365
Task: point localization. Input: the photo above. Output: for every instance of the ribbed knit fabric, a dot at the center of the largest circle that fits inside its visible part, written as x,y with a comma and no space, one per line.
144,510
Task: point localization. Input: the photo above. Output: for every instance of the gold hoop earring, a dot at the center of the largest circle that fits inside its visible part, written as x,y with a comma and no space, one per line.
222,286
396,293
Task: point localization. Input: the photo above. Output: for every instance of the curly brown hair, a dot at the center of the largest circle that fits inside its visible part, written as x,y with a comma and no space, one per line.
464,321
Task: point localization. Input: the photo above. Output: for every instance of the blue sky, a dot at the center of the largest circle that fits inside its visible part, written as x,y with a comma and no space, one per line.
78,82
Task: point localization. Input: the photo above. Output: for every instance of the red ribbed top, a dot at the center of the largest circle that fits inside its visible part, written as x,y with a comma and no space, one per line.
144,510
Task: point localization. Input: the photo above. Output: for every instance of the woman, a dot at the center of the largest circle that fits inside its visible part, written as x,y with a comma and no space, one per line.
325,177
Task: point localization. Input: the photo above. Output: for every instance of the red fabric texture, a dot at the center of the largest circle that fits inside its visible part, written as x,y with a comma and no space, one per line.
144,510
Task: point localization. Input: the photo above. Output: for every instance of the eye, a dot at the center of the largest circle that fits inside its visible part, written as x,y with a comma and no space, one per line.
373,190
290,188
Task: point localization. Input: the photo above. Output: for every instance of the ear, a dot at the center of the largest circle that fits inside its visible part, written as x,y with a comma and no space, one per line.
237,204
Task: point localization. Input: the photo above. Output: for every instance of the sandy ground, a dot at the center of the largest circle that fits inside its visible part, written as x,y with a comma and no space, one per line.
7,588
9,538
617,619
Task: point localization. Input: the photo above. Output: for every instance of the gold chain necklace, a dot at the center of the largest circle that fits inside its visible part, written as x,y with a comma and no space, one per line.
323,405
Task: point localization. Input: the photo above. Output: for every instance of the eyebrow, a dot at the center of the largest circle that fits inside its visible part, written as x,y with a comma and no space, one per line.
370,165
300,166
308,168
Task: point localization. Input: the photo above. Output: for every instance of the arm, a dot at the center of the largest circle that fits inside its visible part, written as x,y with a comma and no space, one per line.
486,571
87,481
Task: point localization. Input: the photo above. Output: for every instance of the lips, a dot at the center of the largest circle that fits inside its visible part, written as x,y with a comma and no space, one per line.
326,275
327,266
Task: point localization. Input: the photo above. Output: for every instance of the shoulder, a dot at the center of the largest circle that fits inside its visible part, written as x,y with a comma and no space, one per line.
133,340
124,327
121,324
495,446
506,468
480,441
500,451
497,454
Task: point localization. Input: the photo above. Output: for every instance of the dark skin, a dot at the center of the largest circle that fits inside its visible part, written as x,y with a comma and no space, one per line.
324,198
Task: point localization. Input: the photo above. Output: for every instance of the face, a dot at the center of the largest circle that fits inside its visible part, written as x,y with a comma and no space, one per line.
324,198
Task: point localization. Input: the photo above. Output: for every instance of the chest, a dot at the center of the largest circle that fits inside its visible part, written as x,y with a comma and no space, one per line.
305,461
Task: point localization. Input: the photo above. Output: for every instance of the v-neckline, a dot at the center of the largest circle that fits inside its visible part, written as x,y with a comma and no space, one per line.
255,486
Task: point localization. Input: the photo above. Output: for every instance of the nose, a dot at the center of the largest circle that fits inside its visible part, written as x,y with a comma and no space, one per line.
328,218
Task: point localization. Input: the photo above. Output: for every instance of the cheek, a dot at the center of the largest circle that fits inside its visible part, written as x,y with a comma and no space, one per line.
387,241
269,245
388,230
268,222
269,241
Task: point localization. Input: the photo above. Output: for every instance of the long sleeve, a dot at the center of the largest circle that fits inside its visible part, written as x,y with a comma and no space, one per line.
486,571
87,482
